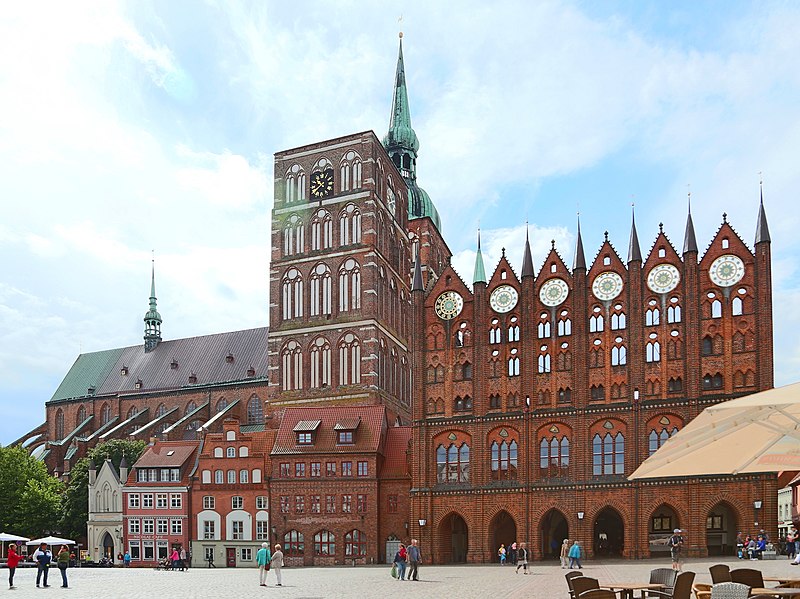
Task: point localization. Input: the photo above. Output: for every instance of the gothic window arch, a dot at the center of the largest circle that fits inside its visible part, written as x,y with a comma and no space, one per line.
105,414
504,456
320,363
513,329
652,387
712,381
349,225
462,404
293,543
673,311
675,384
652,317
608,454
292,294
320,290
495,332
660,433
349,286
619,390
619,355
222,403
350,171
716,309
737,306
564,395
255,410
295,184
292,363
452,463
564,325
596,320
618,320
59,424
564,360
81,415
597,393
324,543
321,230
349,360
738,342
355,544
543,363
161,410
543,328
190,407
513,366
653,351
554,453
596,356
293,236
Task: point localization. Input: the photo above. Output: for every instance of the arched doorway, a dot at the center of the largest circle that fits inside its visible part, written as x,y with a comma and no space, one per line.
721,524
609,533
454,537
554,529
663,521
503,530
108,546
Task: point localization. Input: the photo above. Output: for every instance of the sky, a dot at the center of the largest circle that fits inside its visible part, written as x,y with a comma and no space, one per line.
128,128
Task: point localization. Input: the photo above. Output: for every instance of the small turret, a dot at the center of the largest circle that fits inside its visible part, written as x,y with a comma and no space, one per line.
527,259
689,239
634,251
762,230
152,319
580,257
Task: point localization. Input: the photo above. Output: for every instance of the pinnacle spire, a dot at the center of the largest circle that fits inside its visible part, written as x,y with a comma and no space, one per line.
580,258
634,251
527,261
152,319
479,275
762,230
689,239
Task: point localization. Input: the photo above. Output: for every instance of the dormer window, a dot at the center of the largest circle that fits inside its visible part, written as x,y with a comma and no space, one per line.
124,371
305,438
192,378
174,364
345,438
138,384
90,391
251,372
305,431
229,358
345,430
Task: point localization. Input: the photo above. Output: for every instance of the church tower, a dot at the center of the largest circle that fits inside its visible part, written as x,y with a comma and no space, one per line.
152,319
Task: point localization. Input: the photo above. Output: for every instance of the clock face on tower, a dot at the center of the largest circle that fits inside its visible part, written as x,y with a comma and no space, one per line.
607,286
663,278
449,305
726,270
503,299
553,292
321,184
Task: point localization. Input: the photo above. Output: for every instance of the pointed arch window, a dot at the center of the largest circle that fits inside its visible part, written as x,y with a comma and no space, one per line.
597,393
504,460
513,332
452,463
544,363
513,366
222,403
619,355
292,294
350,225
596,323
737,306
495,335
355,544
349,286
462,404
712,381
653,351
59,424
554,454
618,321
544,329
564,325
321,230
292,365
657,438
320,363
674,311
716,309
652,317
295,184
324,543
320,290
349,360
255,410
105,414
81,415
608,454
293,236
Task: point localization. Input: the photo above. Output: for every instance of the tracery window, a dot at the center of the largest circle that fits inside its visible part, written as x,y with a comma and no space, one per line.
462,404
619,355
554,453
564,326
544,329
81,415
320,290
652,317
295,184
321,230
350,225
596,323
452,463
349,360
349,286
608,454
597,393
543,363
504,460
292,362
292,294
674,312
657,438
293,236
59,424
320,363
618,321
355,544
293,543
324,543
653,351
513,366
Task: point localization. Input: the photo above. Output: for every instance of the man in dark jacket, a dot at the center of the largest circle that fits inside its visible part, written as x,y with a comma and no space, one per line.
42,556
414,559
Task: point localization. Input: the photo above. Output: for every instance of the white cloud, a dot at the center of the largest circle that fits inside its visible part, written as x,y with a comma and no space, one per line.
225,179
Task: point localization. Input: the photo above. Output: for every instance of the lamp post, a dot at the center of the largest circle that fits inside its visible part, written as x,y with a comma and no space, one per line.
756,507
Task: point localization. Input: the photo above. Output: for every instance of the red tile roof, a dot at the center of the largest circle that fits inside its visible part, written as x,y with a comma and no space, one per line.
366,439
395,463
167,454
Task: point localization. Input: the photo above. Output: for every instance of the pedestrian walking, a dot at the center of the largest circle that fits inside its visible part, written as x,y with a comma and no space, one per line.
263,557
13,560
675,544
63,564
174,558
42,556
501,553
184,561
790,549
400,558
512,553
277,563
575,556
126,559
522,559
414,558
564,554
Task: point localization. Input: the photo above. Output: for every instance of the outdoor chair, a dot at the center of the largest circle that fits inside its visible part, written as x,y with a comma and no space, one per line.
749,576
569,576
665,576
581,584
681,590
701,590
599,594
730,590
720,573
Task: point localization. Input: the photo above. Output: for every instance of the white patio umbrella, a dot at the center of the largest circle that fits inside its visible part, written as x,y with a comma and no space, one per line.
51,541
5,537
756,433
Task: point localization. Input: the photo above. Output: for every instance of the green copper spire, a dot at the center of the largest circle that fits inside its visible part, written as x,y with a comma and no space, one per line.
152,319
402,145
480,273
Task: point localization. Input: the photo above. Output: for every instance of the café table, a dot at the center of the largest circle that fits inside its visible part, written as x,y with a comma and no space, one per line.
626,589
783,580
776,592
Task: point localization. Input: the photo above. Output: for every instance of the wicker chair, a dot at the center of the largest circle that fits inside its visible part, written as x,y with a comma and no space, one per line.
569,576
681,590
581,584
730,590
701,590
749,576
720,573
601,594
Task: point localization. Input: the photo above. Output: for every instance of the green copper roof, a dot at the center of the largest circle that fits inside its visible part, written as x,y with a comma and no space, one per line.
420,204
152,313
89,370
480,273
401,133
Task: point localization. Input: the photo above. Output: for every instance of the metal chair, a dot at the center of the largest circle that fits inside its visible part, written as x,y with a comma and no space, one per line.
730,590
681,590
569,576
581,584
720,573
749,576
599,594
665,576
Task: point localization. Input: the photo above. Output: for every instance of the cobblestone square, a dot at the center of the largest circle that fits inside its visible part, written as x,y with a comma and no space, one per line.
456,582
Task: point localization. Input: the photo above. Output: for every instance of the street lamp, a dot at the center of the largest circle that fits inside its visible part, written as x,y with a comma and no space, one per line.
580,515
756,507
422,521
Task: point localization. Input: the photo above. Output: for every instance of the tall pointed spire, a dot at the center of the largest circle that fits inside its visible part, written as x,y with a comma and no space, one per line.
762,230
634,252
479,275
580,258
402,145
152,319
527,260
689,240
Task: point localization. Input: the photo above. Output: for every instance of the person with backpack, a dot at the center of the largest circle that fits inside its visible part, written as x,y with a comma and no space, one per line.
42,556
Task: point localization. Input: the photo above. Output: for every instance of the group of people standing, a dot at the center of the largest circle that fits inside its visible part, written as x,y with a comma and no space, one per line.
43,557
515,554
268,560
409,557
